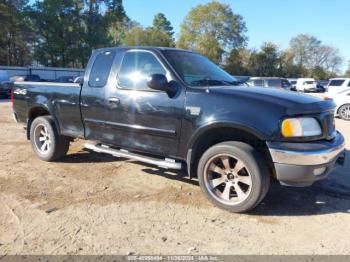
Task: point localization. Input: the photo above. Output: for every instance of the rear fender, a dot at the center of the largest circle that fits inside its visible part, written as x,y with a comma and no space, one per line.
41,107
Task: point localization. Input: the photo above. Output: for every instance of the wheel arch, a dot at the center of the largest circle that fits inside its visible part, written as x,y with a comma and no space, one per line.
343,104
37,111
217,133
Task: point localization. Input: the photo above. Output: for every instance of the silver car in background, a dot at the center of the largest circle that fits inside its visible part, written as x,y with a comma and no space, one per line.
275,82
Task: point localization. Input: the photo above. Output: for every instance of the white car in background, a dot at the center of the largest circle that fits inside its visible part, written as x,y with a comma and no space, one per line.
337,85
342,100
306,85
293,82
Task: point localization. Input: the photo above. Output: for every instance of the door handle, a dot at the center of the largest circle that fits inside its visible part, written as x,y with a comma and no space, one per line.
113,100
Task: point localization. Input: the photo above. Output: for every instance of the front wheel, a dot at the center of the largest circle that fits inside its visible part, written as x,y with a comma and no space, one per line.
344,112
233,176
46,141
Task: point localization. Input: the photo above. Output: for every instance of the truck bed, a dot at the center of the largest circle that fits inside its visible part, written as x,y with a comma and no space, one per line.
61,100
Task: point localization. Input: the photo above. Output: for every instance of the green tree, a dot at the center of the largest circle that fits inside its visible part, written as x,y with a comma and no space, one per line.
161,23
68,30
319,73
57,30
237,62
212,29
267,61
147,37
15,33
288,68
115,10
118,22
96,26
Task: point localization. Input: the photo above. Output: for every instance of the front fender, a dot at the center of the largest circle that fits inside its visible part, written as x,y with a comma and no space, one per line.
206,127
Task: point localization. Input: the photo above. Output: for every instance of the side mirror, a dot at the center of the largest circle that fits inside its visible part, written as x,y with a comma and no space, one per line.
159,82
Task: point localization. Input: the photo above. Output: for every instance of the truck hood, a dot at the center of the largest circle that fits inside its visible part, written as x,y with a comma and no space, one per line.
295,103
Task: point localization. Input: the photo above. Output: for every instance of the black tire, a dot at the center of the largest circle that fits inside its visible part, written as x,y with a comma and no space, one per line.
343,112
254,166
59,145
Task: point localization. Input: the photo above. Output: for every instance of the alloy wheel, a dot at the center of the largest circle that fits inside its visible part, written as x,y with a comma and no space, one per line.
345,112
42,139
227,179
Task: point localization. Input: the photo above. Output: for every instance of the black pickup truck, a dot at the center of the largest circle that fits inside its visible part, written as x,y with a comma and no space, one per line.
176,109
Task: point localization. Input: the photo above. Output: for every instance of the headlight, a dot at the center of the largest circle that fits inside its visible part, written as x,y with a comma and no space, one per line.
300,127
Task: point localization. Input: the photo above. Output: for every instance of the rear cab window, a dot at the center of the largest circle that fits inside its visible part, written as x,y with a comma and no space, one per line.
259,82
274,82
336,82
101,69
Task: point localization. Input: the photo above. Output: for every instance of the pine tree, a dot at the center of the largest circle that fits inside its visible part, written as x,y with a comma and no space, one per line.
161,23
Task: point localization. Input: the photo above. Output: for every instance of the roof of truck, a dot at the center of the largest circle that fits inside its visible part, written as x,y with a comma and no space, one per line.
266,77
152,48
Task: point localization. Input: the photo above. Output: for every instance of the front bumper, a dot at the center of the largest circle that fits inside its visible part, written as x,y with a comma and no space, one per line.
301,164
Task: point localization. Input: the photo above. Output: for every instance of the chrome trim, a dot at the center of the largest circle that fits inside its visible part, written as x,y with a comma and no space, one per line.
25,83
140,128
166,163
307,158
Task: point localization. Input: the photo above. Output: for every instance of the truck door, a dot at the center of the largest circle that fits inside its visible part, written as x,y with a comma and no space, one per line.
141,118
92,102
136,117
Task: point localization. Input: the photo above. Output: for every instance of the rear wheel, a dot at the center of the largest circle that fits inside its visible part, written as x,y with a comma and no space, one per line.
344,112
46,142
233,176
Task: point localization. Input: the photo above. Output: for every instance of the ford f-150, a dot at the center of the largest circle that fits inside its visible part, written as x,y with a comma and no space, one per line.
176,109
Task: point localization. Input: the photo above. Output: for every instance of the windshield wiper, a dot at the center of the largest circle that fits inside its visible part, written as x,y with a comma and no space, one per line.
213,82
231,83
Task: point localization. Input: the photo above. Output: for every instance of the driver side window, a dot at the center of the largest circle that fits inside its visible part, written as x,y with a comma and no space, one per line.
136,68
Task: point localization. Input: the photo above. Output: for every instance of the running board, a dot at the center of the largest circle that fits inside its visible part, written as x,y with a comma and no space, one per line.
166,163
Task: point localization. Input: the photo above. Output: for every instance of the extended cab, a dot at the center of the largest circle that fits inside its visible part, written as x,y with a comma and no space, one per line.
176,109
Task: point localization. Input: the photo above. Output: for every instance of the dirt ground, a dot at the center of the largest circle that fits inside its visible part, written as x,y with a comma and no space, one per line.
96,204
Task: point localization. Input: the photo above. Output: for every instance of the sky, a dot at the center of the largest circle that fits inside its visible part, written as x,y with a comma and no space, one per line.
267,20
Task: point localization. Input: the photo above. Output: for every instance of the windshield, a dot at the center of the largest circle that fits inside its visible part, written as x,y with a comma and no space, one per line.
198,71
310,82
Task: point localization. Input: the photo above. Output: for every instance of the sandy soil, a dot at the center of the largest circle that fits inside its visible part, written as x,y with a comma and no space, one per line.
95,204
